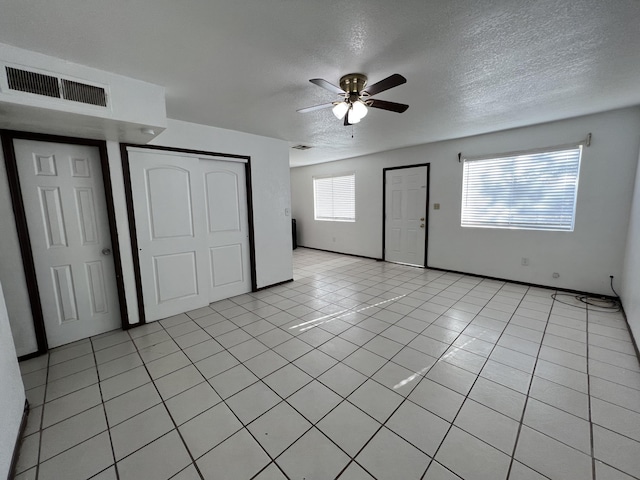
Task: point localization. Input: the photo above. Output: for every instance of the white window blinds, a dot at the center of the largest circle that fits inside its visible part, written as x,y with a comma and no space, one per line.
335,198
534,191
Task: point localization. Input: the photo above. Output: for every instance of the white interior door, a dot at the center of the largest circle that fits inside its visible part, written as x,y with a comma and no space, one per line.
405,215
169,213
192,230
64,201
227,228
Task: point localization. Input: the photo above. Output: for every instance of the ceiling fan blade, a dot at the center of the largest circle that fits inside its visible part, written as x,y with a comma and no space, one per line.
315,107
327,86
389,82
391,106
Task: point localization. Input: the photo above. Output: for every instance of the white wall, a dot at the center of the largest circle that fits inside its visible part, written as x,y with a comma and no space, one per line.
271,196
630,291
11,392
584,258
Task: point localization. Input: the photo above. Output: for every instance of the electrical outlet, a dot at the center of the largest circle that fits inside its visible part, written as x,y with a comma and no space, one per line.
555,275
525,261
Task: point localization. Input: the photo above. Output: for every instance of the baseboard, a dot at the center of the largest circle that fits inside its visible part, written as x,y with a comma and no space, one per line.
528,284
342,253
273,285
29,356
626,321
18,444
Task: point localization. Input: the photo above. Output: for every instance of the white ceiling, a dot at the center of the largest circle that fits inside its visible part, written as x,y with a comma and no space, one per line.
472,66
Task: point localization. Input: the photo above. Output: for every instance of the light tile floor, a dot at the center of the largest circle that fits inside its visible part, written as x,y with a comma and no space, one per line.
358,370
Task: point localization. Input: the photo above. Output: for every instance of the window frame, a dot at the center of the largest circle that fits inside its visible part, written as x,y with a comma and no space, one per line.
333,218
512,200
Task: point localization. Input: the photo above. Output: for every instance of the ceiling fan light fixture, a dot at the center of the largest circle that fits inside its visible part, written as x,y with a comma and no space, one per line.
340,110
352,116
360,109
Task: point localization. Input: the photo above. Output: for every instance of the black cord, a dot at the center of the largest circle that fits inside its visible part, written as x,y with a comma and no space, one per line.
611,277
596,304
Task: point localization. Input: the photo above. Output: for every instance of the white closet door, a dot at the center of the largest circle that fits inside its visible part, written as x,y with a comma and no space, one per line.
405,215
64,201
169,213
227,228
192,230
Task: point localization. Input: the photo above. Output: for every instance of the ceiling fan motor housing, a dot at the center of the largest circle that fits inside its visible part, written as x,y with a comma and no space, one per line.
353,83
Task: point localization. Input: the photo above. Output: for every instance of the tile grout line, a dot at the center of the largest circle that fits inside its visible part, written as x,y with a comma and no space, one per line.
106,418
526,401
44,401
591,438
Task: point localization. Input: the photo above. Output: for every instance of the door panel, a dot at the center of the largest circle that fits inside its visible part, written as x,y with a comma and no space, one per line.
169,200
223,202
65,207
192,229
405,215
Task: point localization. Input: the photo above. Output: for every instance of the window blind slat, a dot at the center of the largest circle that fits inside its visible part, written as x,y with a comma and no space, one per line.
534,191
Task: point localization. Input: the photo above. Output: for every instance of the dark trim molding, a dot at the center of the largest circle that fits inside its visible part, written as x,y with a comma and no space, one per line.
252,250
8,136
342,253
18,444
626,321
113,230
384,207
29,356
132,221
273,285
25,244
133,234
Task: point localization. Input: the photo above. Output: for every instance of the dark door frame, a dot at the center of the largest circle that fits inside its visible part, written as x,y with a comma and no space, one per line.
384,207
132,221
8,136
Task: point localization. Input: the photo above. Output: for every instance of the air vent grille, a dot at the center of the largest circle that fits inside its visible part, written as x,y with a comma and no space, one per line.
32,82
301,147
49,86
81,92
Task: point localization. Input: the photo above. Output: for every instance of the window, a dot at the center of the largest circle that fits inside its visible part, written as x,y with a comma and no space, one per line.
534,191
335,198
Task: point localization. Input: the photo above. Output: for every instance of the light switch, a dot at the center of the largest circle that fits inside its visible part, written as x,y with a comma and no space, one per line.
436,206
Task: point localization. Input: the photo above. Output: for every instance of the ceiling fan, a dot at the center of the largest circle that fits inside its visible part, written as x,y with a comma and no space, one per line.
356,96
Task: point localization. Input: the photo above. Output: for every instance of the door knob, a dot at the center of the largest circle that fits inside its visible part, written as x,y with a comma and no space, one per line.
106,251
422,219
422,226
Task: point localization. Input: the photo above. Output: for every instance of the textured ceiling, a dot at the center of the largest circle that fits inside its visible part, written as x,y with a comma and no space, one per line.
472,66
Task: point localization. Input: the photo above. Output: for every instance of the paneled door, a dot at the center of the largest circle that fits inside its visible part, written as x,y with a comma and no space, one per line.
192,230
64,201
227,228
406,215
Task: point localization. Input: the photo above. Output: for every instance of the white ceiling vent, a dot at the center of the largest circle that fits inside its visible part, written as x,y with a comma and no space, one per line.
57,87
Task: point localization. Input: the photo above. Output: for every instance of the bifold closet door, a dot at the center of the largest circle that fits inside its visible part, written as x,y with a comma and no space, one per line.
191,227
